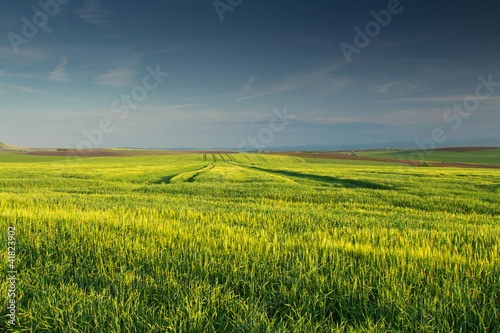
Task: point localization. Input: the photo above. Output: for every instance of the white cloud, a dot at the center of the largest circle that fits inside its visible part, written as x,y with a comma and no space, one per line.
59,73
92,13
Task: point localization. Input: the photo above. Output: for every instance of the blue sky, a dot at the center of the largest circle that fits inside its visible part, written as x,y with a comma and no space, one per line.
227,76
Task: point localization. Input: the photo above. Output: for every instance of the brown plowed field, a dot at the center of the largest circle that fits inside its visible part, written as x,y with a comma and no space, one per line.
375,159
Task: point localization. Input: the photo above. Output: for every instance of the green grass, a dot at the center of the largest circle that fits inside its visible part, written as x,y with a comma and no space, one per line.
20,158
250,243
348,162
489,156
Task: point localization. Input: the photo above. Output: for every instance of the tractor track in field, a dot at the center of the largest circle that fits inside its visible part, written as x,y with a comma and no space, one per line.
193,177
197,172
344,182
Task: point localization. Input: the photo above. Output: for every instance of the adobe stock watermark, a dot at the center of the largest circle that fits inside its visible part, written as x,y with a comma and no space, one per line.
455,115
372,29
11,275
121,107
40,20
266,135
221,7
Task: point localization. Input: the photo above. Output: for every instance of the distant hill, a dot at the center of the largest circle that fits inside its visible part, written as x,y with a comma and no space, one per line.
4,146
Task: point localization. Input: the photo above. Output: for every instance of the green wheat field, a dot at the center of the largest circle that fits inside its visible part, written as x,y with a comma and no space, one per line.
249,243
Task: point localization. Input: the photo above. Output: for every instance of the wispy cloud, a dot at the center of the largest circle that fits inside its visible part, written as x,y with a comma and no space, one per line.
42,93
116,77
22,88
182,114
272,92
428,99
27,56
248,86
409,116
93,13
396,87
169,108
15,75
163,51
122,75
322,81
59,73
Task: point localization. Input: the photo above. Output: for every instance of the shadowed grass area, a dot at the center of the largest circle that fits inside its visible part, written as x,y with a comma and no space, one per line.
350,183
